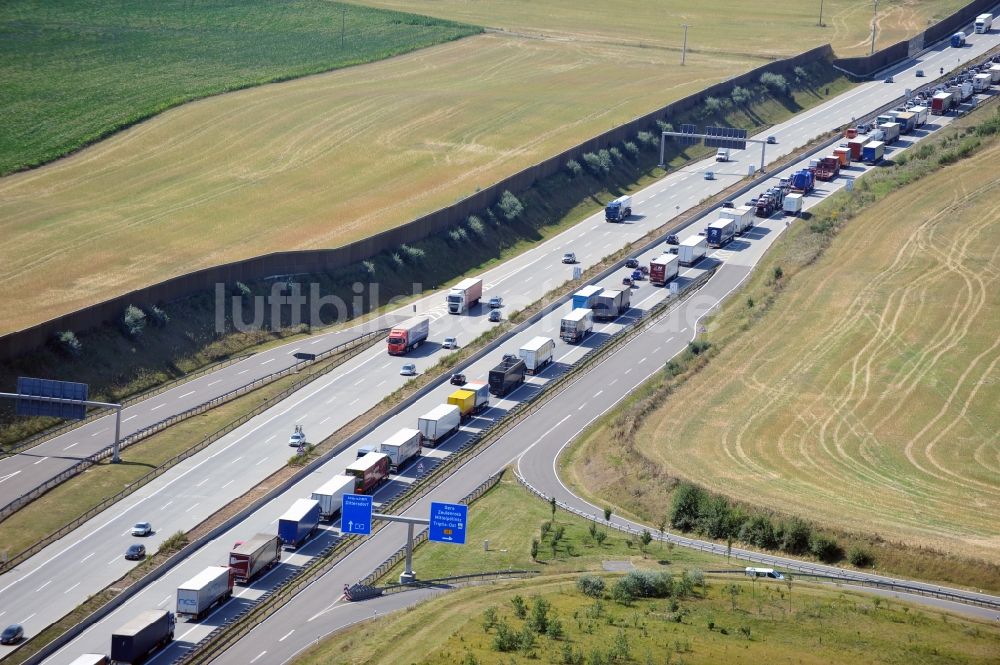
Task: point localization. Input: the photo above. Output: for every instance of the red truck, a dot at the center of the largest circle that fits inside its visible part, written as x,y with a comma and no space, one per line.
370,471
855,145
249,559
828,169
408,335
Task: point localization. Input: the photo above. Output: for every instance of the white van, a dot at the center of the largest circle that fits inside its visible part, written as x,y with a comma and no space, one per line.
722,155
769,573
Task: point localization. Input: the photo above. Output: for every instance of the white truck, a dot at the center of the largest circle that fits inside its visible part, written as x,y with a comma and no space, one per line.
982,82
439,422
401,447
464,295
576,325
330,495
792,204
536,354
994,71
983,23
921,113
211,587
691,250
743,216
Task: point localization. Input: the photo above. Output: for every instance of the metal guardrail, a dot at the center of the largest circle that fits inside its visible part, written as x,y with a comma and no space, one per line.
354,347
797,567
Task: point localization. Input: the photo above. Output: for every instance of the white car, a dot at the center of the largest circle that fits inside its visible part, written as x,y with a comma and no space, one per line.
569,257
142,529
298,438
409,369
450,343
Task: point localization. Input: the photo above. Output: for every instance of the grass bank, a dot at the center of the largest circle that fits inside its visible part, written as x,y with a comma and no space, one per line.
116,366
848,382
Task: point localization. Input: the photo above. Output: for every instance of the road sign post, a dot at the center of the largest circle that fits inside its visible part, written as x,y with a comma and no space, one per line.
448,523
356,514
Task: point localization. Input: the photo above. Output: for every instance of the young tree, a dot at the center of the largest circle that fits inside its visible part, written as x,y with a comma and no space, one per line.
552,505
645,540
600,537
489,618
520,607
534,549
607,516
662,528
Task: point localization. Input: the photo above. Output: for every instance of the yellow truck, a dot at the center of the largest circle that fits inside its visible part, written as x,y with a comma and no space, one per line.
470,399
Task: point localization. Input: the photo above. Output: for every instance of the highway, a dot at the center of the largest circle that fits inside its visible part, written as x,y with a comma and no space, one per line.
36,593
541,435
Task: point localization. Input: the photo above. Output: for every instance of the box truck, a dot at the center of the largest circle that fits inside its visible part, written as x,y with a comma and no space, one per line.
482,390
891,131
792,204
137,639
873,152
408,335
585,297
907,121
464,295
844,155
249,559
508,375
664,268
742,216
994,71
941,102
958,40
983,23
465,400
576,325
537,353
91,659
299,523
369,471
212,586
720,232
981,82
619,209
612,304
439,422
329,495
691,250
402,447
920,113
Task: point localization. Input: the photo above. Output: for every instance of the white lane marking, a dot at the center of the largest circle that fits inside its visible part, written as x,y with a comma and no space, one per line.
262,460
612,383
192,508
28,618
359,381
164,601
236,460
269,360
40,461
270,438
158,406
228,484
243,372
100,431
315,341
202,482
112,561
213,383
188,394
258,657
294,351
356,400
657,349
71,588
643,360
287,635
43,586
129,418
549,431
627,370
70,445
9,476
325,419
380,383
166,504
580,408
87,557
598,393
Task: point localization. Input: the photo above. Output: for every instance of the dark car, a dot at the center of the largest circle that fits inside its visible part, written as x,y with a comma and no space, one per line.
458,380
672,239
495,302
632,263
495,316
12,634
135,552
729,204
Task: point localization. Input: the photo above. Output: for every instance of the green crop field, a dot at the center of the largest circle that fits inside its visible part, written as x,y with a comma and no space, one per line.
73,71
865,397
753,27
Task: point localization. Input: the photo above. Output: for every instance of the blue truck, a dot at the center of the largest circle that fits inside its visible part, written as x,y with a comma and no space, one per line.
958,40
720,232
619,209
873,152
586,297
803,181
299,523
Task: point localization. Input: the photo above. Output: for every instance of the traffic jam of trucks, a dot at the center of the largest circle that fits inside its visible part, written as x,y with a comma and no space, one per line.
143,635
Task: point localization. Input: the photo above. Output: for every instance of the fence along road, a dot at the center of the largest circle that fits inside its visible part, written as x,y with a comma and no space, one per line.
181,502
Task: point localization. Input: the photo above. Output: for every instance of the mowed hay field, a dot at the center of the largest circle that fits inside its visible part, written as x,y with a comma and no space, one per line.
315,162
728,26
867,397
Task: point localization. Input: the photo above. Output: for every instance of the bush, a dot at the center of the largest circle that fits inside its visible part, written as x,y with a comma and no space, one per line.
776,83
714,518
685,506
860,557
740,95
539,619
241,289
368,267
712,105
510,206
699,346
574,168
520,607
412,253
159,318
605,157
476,226
621,592
631,148
397,259
800,74
593,163
824,548
458,235
505,639
759,532
591,585
664,126
648,138
649,584
174,542
795,536
133,321
616,154
68,344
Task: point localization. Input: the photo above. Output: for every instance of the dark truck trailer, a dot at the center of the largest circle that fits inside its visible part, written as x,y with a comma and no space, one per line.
506,376
251,558
612,304
299,523
149,631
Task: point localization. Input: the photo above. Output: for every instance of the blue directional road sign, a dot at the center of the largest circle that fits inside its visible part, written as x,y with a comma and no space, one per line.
26,406
448,521
356,514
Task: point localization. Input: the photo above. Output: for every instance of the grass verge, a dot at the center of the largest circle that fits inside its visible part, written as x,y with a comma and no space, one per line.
812,423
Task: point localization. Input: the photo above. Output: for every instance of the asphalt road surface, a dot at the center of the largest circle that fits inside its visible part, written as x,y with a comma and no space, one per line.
57,579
